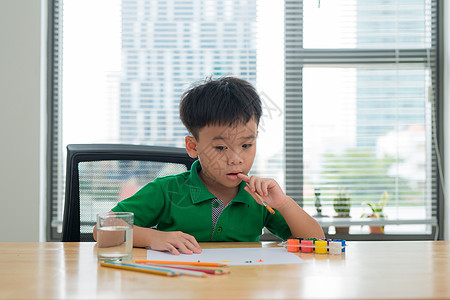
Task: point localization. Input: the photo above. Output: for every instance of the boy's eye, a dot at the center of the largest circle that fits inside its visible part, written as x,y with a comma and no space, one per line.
245,146
221,148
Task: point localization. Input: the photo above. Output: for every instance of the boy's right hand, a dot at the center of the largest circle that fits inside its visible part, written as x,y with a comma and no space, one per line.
174,242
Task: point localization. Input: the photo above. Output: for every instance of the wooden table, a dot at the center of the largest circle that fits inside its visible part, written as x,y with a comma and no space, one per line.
368,270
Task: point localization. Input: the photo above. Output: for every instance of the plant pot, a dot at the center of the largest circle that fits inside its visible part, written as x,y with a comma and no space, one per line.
342,229
376,229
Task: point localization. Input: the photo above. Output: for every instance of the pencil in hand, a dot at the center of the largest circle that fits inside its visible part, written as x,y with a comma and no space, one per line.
270,209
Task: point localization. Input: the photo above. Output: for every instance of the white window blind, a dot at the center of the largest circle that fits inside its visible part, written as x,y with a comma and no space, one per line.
120,67
360,109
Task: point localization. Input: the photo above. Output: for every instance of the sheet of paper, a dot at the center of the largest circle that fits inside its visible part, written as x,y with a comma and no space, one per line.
233,256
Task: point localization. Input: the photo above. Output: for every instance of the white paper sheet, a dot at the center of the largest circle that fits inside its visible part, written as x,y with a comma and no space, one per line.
233,256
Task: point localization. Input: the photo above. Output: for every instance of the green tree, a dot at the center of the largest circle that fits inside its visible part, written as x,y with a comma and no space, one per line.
363,174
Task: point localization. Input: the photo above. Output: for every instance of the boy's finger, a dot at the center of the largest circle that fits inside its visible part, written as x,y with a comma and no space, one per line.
191,244
258,187
243,177
251,183
191,239
173,250
253,195
264,188
248,180
185,249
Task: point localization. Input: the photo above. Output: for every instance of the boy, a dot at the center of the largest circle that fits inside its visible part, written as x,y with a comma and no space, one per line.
216,200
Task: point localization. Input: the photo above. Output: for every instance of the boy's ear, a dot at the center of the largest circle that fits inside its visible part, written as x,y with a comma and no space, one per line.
191,146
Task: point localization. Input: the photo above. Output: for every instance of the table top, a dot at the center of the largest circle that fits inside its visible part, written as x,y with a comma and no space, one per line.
368,270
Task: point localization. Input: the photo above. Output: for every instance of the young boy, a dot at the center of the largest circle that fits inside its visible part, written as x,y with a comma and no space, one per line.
216,200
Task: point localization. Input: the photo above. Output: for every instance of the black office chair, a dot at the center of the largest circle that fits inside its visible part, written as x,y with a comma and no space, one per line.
100,175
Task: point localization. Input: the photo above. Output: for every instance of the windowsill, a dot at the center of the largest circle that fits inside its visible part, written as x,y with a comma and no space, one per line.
330,221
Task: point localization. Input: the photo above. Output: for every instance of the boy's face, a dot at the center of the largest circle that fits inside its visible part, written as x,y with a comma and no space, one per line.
223,152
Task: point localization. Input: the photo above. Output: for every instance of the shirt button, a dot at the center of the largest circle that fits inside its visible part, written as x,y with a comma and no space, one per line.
216,204
219,230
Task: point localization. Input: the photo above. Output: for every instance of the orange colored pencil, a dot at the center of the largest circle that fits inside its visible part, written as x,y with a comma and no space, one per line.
189,263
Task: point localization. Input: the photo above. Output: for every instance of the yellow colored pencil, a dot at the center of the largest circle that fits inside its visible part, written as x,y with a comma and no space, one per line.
132,267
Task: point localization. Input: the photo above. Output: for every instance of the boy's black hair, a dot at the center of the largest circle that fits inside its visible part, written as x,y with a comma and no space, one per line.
226,101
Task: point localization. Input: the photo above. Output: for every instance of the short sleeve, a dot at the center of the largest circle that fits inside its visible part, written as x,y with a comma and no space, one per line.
277,225
147,204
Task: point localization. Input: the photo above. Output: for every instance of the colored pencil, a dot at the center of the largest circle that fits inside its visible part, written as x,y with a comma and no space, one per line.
207,271
190,263
132,267
270,209
183,271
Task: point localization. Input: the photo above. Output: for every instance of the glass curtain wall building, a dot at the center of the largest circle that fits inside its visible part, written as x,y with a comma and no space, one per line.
168,44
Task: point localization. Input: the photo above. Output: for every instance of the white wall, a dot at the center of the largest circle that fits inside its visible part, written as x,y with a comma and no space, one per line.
20,122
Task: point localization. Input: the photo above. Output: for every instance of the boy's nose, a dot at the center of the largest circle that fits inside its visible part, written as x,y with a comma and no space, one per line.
234,158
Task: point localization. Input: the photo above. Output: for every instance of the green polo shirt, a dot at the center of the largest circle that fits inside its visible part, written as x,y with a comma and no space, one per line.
183,203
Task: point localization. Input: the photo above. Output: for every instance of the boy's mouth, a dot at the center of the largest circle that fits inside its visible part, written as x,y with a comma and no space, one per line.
233,175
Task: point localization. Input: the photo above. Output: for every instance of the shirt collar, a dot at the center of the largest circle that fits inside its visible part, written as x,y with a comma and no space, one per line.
200,193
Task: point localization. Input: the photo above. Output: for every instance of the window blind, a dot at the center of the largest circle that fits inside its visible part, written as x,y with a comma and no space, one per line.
55,178
360,84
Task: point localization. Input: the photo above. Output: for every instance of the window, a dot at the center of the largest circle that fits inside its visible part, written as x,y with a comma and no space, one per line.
351,113
119,80
360,111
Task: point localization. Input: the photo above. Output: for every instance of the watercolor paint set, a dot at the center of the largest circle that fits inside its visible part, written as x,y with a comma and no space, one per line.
320,246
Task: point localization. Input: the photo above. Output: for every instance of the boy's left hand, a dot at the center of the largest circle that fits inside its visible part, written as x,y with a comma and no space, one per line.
267,188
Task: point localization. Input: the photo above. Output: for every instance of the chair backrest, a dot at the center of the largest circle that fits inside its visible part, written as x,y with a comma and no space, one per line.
100,175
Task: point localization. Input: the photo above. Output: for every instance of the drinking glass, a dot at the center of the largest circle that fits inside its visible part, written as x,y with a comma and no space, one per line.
115,235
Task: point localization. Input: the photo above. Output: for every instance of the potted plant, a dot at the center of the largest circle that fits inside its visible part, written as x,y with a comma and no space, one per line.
341,205
377,212
318,204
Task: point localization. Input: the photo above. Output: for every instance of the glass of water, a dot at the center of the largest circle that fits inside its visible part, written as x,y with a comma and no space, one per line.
115,235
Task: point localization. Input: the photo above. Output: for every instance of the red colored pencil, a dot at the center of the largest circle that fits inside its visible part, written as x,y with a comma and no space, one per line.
190,263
